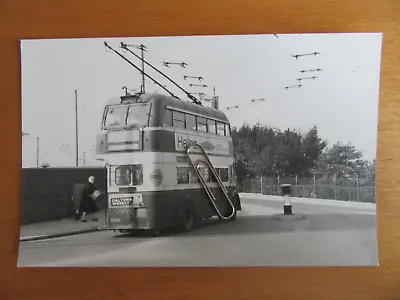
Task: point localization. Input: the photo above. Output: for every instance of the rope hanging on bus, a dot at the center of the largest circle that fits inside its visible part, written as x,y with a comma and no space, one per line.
204,183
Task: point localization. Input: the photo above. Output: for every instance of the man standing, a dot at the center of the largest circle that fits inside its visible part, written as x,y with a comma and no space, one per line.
88,203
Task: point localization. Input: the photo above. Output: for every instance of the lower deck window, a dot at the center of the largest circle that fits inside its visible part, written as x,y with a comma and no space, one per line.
187,175
223,173
129,175
182,175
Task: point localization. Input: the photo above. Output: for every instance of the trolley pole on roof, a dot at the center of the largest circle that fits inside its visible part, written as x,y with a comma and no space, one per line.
142,49
76,130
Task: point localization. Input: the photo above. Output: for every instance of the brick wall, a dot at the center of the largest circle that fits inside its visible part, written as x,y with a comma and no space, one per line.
46,192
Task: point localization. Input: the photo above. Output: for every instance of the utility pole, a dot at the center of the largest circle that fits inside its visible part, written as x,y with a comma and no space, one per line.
76,130
37,152
84,158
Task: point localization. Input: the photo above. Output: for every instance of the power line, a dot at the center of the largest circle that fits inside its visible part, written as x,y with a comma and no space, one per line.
296,56
250,102
199,85
182,64
306,78
293,86
312,70
193,77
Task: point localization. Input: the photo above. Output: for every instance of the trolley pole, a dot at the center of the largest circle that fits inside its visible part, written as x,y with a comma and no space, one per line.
76,130
143,77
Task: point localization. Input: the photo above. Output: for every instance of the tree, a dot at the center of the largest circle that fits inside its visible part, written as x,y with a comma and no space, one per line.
312,146
266,151
342,160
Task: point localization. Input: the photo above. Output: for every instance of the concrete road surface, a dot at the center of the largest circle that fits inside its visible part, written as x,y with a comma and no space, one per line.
329,236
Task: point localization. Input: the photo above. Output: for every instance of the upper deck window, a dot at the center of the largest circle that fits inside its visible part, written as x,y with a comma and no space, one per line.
227,130
191,122
116,115
167,118
179,119
212,128
220,128
136,115
201,124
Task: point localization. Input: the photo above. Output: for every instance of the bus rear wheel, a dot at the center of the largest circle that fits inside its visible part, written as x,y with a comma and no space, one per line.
188,221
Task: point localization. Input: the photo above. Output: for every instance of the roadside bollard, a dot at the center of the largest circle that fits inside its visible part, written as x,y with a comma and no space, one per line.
287,206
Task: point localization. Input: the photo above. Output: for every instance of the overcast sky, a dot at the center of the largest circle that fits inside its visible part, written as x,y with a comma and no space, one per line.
342,101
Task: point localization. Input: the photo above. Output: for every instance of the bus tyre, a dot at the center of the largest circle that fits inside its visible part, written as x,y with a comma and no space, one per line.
233,218
188,220
154,232
235,202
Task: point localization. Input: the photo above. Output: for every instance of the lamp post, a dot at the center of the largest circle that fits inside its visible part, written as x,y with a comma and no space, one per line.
76,131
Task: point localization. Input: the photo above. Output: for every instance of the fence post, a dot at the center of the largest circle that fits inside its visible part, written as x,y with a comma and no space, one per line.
315,190
296,187
261,184
334,186
358,188
279,186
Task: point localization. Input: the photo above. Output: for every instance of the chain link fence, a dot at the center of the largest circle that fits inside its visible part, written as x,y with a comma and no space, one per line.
347,189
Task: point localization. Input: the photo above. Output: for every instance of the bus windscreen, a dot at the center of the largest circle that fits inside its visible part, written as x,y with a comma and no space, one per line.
136,115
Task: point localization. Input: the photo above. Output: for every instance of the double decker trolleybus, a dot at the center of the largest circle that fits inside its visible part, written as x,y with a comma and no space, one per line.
169,163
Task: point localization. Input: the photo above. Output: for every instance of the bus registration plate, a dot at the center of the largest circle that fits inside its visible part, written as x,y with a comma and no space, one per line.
123,211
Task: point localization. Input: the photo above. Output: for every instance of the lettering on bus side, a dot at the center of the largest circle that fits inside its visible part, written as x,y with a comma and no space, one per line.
183,142
215,147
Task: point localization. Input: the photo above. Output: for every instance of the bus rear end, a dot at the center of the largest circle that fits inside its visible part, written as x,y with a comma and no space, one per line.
128,207
120,145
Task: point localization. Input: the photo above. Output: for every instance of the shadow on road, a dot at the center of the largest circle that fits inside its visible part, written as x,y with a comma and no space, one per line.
266,225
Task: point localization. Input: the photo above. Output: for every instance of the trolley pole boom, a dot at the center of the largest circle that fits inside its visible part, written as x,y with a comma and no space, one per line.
142,49
137,68
125,47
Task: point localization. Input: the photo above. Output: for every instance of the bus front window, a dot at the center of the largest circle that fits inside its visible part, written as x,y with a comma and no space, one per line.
138,115
116,116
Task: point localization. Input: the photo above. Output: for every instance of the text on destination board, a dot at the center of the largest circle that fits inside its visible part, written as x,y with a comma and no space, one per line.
122,201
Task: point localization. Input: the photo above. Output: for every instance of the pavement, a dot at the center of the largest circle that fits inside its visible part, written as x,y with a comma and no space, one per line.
328,236
59,228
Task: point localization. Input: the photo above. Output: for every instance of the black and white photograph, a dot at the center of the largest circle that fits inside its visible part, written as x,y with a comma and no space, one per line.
253,150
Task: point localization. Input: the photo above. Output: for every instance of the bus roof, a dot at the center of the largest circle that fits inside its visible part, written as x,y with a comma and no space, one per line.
168,101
